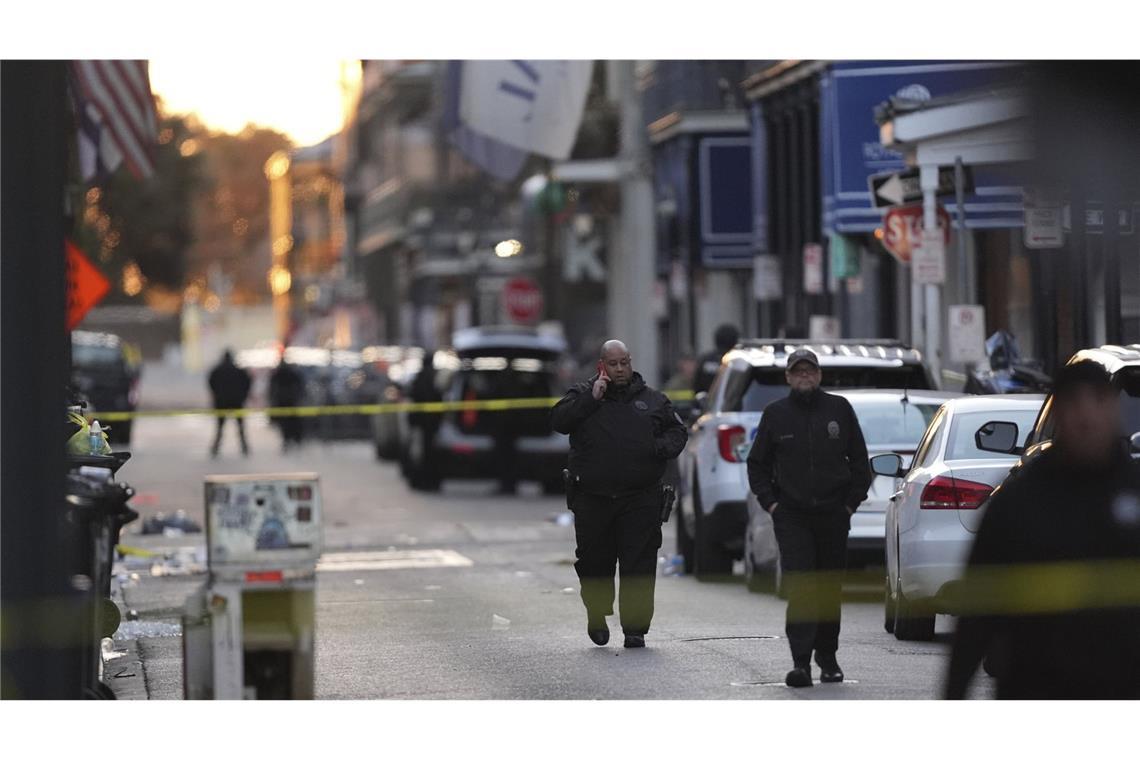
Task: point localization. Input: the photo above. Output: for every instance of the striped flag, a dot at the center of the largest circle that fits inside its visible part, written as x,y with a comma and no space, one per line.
116,117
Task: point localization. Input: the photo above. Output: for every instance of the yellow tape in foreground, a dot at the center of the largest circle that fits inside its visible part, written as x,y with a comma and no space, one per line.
426,407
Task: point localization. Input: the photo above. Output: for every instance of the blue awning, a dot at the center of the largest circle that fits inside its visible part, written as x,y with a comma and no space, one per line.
851,152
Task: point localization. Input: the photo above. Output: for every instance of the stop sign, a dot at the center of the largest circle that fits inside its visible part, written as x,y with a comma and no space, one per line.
522,299
902,230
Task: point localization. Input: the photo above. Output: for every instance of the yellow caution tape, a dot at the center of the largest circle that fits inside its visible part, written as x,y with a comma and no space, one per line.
427,407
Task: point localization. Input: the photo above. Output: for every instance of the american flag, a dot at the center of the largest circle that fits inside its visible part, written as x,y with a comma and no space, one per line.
116,117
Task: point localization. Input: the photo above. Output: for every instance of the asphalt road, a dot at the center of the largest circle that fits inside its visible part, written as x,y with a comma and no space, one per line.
468,595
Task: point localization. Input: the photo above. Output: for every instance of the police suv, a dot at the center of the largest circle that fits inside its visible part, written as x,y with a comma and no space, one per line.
713,513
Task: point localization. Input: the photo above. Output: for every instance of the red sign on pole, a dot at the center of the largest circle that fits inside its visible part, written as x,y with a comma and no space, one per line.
522,299
902,230
86,285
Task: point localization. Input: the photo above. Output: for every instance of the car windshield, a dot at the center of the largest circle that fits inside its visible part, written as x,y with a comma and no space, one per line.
962,445
891,423
768,384
89,356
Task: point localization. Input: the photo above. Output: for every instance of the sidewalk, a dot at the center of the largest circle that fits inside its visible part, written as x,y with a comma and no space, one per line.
146,654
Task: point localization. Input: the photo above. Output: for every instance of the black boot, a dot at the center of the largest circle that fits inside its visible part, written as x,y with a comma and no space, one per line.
799,677
598,631
634,640
829,670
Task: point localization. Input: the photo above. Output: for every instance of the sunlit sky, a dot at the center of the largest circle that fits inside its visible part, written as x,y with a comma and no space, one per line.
302,98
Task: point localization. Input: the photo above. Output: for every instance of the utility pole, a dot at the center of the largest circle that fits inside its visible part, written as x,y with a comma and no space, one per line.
43,604
932,294
632,270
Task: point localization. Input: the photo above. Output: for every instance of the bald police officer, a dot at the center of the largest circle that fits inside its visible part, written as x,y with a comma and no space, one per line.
622,432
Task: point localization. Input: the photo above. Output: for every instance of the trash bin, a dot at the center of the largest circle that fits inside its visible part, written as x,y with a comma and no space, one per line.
97,510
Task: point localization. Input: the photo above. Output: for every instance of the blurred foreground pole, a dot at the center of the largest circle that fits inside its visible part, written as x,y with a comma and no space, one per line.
41,612
632,270
1086,119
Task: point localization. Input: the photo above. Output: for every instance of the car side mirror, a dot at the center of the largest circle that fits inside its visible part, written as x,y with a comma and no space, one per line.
1134,443
889,465
998,436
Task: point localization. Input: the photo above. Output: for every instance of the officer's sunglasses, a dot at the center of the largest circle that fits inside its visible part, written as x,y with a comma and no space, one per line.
803,370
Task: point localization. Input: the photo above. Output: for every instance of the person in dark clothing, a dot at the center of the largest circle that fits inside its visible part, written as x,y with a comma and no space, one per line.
809,470
286,389
724,339
622,432
1050,594
229,385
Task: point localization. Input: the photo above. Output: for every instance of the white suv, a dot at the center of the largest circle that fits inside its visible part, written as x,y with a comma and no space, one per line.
713,514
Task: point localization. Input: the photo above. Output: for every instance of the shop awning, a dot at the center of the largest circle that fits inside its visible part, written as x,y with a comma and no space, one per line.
851,148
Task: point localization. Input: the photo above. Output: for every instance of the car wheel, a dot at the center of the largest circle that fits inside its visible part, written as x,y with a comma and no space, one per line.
913,622
757,579
713,563
422,476
685,545
778,580
888,606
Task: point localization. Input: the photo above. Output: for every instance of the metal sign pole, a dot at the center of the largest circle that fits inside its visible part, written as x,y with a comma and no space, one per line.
965,287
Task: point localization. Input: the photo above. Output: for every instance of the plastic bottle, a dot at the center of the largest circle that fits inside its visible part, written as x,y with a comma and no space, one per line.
96,438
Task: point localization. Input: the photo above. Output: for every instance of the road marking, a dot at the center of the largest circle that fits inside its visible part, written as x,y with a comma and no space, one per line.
391,560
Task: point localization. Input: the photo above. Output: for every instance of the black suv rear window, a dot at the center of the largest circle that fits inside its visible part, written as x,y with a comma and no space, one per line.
486,378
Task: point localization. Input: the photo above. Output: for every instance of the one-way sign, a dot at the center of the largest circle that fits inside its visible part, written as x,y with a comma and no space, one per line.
899,188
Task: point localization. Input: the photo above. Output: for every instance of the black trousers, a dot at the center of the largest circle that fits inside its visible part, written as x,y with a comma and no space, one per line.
625,533
241,433
813,556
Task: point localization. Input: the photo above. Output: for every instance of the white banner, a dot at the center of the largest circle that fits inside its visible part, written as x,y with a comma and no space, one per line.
534,106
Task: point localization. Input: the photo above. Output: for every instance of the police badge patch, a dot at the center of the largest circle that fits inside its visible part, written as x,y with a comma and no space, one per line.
641,406
833,429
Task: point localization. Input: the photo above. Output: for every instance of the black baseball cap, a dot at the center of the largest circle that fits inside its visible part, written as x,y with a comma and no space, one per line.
803,355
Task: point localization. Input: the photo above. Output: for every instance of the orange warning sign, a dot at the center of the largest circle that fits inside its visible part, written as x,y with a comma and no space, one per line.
86,285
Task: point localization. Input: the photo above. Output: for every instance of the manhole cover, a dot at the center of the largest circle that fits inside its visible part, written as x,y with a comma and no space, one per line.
733,638
783,685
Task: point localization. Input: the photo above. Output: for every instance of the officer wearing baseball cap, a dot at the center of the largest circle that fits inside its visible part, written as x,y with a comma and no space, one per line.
808,468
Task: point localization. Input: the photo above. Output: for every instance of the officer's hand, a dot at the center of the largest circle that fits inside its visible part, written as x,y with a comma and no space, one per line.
772,511
600,387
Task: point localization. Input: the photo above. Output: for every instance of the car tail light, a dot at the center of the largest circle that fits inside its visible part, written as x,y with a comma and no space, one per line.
730,439
469,416
953,493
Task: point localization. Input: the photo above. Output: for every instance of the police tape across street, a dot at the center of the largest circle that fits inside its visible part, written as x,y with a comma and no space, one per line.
429,407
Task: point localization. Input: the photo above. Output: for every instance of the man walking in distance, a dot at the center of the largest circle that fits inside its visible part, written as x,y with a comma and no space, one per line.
229,385
808,468
622,432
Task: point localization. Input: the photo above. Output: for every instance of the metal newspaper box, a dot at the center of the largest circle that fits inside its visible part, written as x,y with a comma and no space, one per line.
249,632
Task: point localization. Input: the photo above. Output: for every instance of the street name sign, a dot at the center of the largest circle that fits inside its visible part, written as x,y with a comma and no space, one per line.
898,188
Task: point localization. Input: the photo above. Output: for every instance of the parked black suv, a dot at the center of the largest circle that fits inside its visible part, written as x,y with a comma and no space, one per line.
104,373
486,364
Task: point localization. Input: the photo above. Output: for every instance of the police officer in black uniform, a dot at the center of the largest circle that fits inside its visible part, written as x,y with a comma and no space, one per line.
1051,593
622,432
808,468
